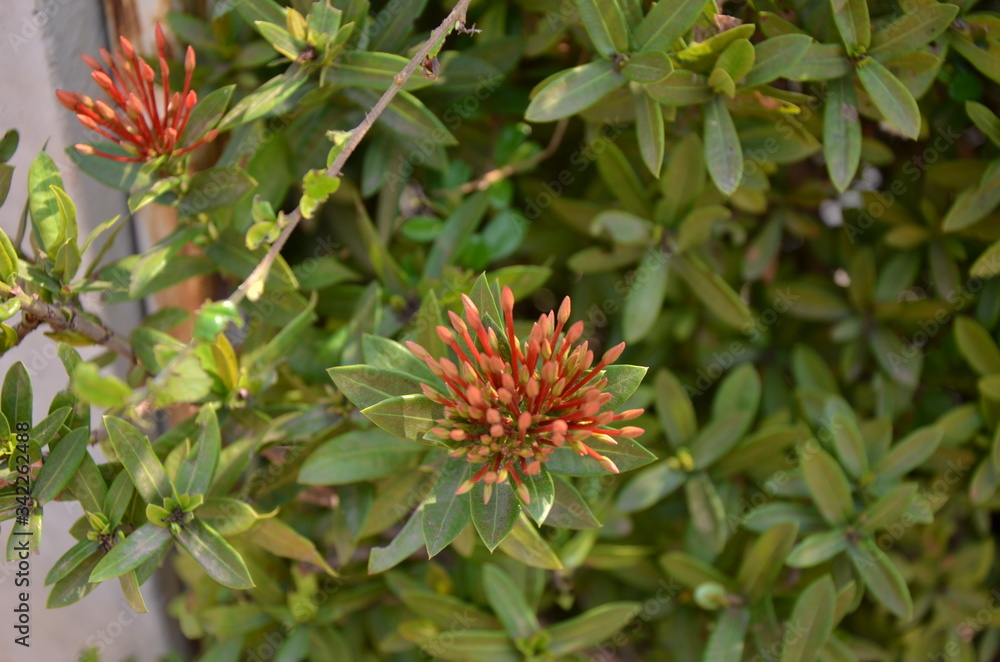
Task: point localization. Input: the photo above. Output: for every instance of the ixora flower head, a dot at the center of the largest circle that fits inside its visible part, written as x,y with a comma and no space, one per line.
145,126
510,404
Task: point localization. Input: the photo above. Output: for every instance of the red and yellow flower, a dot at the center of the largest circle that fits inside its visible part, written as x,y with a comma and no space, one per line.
510,404
146,126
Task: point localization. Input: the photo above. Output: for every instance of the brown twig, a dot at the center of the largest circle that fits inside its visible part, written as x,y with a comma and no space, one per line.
457,16
500,174
66,318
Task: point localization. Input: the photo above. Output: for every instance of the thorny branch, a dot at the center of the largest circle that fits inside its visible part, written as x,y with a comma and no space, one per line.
66,318
456,17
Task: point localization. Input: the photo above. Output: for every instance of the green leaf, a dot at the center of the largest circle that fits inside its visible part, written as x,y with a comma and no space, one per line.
139,546
317,186
69,561
130,588
718,438
841,133
984,119
365,385
817,548
692,572
623,380
888,509
508,603
725,644
382,352
975,202
445,513
674,409
457,229
569,509
627,455
97,389
60,465
406,416
776,56
764,560
375,71
649,130
605,24
665,23
359,456
136,454
88,486
46,221
723,152
280,39
16,395
406,115
828,486
812,617
853,23
227,516
75,585
738,392
848,445
681,88
591,628
977,346
573,90
47,428
882,579
494,520
463,645
206,114
195,475
648,67
821,62
708,514
912,29
890,96
713,291
406,543
915,449
215,188
280,539
648,487
737,59
8,257
541,491
214,555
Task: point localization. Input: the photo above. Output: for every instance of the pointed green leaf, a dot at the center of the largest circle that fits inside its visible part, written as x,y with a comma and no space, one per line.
508,603
573,90
405,544
494,520
812,619
723,152
140,545
775,56
828,485
882,579
725,644
666,22
446,513
16,396
136,454
890,96
817,548
764,560
359,456
591,628
60,465
853,23
841,133
406,416
627,455
214,555
365,385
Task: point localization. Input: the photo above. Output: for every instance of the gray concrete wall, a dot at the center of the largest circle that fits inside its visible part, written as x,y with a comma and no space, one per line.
40,44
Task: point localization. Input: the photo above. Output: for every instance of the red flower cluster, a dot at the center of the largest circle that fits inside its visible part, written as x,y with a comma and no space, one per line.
510,414
145,127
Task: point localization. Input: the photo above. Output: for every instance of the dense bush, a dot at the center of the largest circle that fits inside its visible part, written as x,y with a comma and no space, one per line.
787,210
